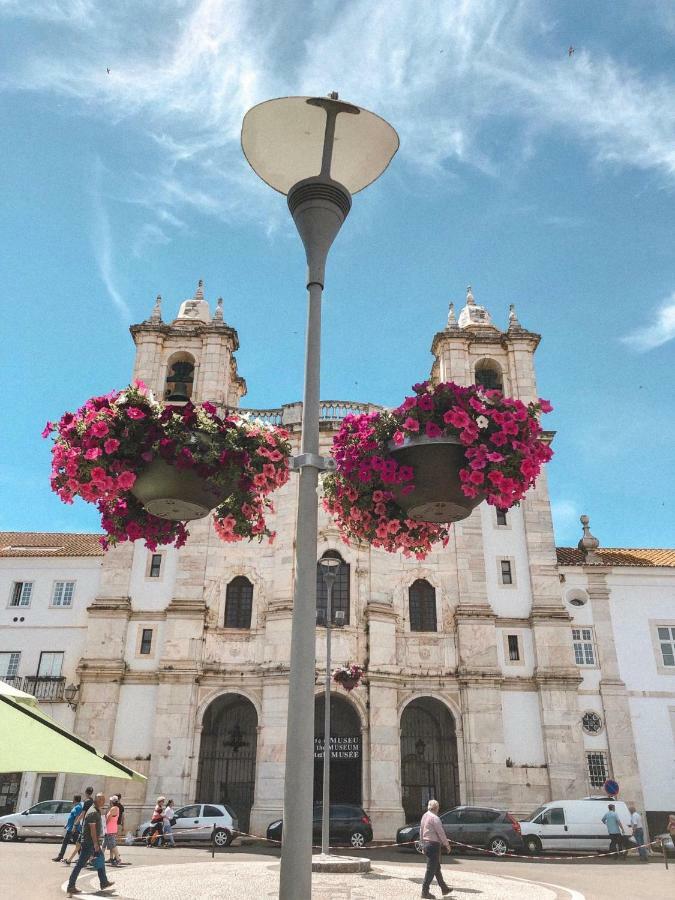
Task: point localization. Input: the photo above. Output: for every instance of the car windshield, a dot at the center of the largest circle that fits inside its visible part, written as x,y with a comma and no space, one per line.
534,815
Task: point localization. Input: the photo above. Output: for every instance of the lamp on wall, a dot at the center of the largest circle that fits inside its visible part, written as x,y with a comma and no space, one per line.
70,694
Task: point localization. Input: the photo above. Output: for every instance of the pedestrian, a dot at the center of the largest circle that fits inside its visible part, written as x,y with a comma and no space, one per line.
167,821
112,821
433,837
157,822
615,831
88,800
92,831
70,836
638,832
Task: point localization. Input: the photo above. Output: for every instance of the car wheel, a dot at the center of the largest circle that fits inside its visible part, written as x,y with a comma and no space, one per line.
9,833
222,837
532,845
357,840
419,846
499,846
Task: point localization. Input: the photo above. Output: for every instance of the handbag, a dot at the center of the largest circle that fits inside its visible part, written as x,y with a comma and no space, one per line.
98,860
172,821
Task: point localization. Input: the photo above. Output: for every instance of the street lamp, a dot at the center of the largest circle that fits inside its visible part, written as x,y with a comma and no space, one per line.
318,151
329,570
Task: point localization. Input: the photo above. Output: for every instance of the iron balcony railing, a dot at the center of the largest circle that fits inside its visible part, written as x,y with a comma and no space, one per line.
291,413
42,687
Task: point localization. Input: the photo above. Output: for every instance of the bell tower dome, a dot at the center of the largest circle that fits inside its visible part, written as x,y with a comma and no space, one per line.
192,358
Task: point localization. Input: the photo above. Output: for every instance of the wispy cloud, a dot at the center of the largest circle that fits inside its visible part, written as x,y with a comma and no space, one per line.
659,331
102,243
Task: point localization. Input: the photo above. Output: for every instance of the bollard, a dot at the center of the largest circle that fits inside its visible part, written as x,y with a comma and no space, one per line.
213,843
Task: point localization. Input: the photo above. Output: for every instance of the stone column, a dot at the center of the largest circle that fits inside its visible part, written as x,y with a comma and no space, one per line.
174,720
386,808
268,802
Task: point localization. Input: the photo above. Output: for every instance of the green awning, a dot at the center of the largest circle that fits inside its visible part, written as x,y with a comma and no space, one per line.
32,742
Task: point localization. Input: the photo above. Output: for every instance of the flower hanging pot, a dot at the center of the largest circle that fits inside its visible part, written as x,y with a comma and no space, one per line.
349,683
179,495
437,495
348,677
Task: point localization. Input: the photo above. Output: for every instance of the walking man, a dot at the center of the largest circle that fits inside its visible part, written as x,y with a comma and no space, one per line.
92,832
86,806
615,832
638,832
433,838
70,835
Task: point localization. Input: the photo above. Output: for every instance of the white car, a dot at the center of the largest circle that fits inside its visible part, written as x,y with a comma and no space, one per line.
571,825
196,823
45,819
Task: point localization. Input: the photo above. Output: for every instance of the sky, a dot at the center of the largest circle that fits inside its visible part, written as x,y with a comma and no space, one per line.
542,178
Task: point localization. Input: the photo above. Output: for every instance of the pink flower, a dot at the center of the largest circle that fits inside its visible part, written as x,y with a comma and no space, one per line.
111,445
545,406
411,424
93,453
46,431
99,429
126,480
432,429
133,412
425,402
399,437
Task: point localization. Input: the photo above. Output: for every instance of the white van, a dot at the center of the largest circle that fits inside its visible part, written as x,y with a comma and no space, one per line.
571,825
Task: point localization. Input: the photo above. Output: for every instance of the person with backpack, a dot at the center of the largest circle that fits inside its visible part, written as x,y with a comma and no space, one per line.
168,820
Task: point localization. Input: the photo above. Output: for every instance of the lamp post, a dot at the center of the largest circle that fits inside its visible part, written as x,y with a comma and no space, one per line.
318,151
329,571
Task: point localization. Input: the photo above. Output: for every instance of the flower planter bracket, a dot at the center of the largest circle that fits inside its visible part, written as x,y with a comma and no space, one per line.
322,463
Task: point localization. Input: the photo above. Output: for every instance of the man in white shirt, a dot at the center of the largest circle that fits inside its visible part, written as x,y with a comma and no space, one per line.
433,837
638,832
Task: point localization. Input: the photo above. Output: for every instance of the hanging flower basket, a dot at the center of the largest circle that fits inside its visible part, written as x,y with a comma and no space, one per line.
348,677
403,476
149,467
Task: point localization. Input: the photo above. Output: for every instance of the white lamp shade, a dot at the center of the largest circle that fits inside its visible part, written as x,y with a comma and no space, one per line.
283,141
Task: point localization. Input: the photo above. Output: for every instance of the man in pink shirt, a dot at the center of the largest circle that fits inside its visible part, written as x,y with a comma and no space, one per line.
433,837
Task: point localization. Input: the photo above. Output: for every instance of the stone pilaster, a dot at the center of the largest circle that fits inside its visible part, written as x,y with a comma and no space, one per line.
270,761
386,808
174,721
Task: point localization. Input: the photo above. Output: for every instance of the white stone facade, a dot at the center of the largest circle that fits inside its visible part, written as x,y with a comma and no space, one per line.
501,662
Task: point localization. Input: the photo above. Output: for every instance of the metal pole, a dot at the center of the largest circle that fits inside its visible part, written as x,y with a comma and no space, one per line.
325,824
296,857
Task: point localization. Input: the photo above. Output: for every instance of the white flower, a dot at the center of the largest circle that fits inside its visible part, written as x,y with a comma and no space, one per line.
482,422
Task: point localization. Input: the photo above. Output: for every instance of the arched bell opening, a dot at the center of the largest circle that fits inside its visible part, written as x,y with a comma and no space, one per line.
180,376
429,766
227,755
489,375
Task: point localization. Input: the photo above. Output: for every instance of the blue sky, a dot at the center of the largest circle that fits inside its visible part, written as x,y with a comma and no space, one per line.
542,179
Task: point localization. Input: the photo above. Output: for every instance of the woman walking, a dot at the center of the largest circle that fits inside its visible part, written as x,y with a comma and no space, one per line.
157,823
112,824
167,822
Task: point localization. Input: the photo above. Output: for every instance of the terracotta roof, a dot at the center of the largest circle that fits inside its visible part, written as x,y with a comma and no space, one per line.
48,543
619,556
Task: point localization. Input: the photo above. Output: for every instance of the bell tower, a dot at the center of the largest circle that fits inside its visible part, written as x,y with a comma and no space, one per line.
192,358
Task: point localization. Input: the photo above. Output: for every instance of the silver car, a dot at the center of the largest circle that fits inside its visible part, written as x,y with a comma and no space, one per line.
196,823
45,819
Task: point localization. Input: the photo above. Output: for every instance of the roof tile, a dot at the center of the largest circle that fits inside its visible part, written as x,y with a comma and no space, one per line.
619,556
49,543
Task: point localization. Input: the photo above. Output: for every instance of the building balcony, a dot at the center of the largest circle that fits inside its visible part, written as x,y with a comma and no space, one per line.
42,687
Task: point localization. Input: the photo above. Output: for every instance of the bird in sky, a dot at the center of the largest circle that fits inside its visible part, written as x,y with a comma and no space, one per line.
570,51
108,71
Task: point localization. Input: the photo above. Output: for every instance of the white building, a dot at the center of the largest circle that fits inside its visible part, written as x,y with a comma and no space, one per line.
499,672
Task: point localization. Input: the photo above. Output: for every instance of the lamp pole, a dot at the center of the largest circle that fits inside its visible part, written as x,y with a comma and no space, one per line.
284,141
329,569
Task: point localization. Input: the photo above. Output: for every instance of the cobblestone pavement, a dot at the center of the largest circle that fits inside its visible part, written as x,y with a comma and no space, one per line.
249,880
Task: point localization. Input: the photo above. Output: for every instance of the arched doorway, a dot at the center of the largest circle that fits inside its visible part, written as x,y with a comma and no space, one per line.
227,755
346,751
429,767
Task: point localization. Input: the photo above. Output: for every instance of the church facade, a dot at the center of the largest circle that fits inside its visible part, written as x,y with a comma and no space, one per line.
499,671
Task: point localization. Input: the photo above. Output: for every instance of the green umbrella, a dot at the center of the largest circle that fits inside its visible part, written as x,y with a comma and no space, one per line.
32,742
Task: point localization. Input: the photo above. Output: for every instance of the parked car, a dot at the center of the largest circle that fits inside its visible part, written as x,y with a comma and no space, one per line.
571,825
347,824
45,819
494,829
195,823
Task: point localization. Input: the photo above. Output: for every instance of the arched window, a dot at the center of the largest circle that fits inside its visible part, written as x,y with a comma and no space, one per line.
422,599
238,603
340,598
180,376
489,375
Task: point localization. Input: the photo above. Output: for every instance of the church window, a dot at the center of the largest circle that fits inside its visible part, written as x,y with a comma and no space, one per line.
155,565
598,770
514,648
179,378
501,518
506,571
584,649
239,603
21,593
489,375
340,595
591,723
146,642
422,602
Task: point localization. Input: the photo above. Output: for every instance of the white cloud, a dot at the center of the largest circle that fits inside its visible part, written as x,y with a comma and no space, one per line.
103,245
658,332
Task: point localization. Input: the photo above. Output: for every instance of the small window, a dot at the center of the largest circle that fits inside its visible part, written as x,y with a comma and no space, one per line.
239,603
598,771
514,649
584,650
489,376
51,664
479,816
155,565
554,816
212,812
666,636
507,576
146,642
422,601
21,593
62,594
591,723
450,818
501,517
189,812
9,664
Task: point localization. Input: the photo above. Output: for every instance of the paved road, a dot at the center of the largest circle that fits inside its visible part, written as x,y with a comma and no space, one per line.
27,873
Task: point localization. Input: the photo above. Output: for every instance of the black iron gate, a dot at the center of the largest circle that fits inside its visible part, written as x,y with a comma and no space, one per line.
227,756
429,768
